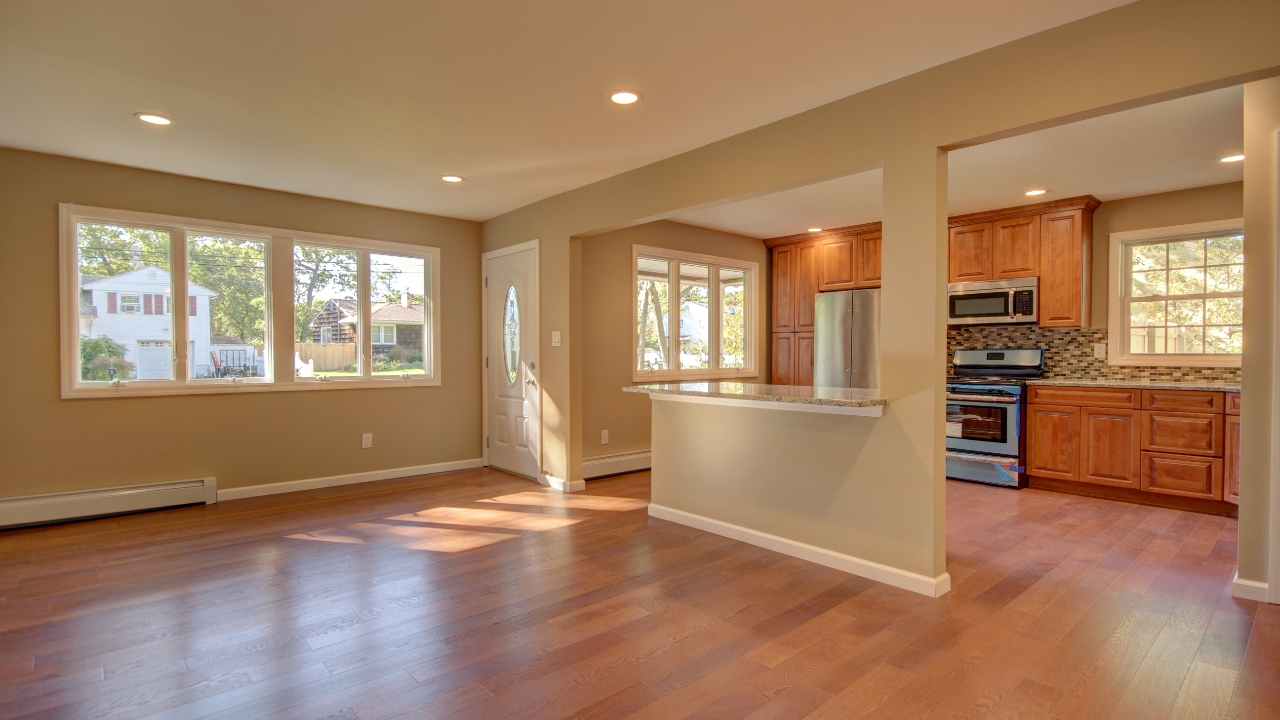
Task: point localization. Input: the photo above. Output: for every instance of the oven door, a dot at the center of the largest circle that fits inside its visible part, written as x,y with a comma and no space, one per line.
985,306
982,425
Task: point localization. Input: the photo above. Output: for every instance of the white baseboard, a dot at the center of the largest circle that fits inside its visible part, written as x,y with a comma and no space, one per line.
353,478
1248,589
566,486
933,587
617,463
33,509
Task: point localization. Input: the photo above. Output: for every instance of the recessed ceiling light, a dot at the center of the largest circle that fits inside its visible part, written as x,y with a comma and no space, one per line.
153,118
624,97
1233,158
452,178
1037,192
815,229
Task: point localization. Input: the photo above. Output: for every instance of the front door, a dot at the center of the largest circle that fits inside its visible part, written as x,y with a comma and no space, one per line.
511,357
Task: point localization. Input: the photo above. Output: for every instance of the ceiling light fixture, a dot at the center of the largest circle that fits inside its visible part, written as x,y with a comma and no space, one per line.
625,97
1037,192
153,118
1233,158
815,229
452,178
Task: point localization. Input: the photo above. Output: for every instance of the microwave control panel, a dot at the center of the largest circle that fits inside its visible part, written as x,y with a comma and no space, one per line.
1024,302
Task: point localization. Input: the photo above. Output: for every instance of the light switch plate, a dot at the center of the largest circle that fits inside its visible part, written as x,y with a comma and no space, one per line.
555,338
366,440
604,437
1100,351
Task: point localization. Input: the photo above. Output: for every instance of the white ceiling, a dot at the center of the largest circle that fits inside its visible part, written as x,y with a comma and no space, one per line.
372,101
1158,148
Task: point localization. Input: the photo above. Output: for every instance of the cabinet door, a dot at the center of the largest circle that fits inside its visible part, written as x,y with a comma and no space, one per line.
804,358
1062,269
1053,441
1186,433
837,261
1111,447
1231,461
969,253
868,274
1016,247
1198,477
784,271
784,358
806,284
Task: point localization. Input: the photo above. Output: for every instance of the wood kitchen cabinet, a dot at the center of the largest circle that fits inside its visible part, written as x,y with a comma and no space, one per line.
868,273
1144,446
837,263
1015,247
784,288
806,285
1066,266
969,253
804,359
784,359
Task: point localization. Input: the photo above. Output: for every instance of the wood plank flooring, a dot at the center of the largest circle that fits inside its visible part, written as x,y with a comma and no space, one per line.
480,595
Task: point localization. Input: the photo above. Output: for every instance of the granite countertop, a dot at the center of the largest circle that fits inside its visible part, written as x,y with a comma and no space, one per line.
1142,384
793,394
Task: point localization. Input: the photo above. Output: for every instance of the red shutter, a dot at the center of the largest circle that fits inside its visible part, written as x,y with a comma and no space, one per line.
111,303
191,302
146,304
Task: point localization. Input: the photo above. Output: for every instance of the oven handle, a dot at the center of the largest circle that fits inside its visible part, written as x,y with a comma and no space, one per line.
1010,464
961,397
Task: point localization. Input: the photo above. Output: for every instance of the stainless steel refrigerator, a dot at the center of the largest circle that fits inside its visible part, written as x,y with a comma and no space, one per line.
846,339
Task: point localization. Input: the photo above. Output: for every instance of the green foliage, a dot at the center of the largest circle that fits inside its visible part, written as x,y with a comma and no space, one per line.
107,250
236,270
316,269
733,327
98,355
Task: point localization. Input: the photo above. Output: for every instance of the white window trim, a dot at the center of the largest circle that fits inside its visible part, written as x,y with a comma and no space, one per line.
1118,350
280,244
752,302
382,333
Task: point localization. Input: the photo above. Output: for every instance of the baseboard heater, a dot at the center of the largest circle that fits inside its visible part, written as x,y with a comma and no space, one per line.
38,509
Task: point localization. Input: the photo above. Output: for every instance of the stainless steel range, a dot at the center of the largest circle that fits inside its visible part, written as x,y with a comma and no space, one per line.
986,414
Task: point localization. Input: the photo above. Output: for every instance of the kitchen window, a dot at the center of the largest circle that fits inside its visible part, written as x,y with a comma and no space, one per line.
160,305
1177,296
695,316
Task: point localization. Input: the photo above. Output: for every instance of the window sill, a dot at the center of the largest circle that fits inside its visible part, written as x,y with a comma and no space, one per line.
146,389
693,375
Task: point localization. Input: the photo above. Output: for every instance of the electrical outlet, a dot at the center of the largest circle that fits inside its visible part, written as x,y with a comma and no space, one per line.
366,440
1100,351
604,437
555,338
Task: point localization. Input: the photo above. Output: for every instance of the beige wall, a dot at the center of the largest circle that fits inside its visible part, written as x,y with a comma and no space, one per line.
1140,53
1196,205
51,445
1259,401
608,324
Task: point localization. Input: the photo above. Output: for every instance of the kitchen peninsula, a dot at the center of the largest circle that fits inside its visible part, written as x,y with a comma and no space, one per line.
788,468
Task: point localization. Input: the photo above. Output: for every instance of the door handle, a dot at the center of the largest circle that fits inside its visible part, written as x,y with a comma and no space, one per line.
531,382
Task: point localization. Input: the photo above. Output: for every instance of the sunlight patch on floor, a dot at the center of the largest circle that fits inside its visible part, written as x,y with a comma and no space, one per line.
509,519
581,502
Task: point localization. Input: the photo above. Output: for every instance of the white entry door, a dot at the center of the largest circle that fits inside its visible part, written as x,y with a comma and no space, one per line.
511,357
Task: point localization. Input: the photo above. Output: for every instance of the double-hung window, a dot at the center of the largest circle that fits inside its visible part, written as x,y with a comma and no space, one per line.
694,315
159,305
1177,296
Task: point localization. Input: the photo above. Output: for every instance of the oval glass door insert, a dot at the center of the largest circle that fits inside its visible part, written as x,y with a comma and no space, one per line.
511,335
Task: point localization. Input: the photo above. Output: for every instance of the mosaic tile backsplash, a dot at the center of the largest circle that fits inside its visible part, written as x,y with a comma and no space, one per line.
1069,354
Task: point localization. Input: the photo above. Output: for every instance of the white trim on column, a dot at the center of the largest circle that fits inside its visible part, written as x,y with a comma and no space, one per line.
933,587
1273,519
562,485
1248,589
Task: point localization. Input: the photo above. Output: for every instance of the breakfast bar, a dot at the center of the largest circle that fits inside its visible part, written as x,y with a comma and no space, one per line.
792,469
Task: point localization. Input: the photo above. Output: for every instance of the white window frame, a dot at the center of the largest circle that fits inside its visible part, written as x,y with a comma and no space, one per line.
120,303
382,333
279,334
1117,324
751,303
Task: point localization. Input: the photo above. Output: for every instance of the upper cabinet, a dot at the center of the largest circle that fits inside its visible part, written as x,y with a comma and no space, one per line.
1066,254
837,262
969,253
868,273
1015,247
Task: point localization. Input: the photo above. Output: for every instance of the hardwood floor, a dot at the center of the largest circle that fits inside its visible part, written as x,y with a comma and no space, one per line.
479,595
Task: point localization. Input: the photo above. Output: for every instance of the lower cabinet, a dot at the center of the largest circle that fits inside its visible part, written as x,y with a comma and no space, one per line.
804,359
1111,447
792,359
1185,475
1142,447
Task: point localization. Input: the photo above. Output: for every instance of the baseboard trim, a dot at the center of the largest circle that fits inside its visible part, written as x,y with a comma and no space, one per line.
614,464
562,485
1248,589
933,587
351,479
53,507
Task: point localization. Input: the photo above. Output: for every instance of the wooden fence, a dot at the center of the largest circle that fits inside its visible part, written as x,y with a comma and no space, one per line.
327,356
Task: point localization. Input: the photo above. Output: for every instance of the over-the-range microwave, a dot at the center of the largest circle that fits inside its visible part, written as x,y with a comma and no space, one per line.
994,301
